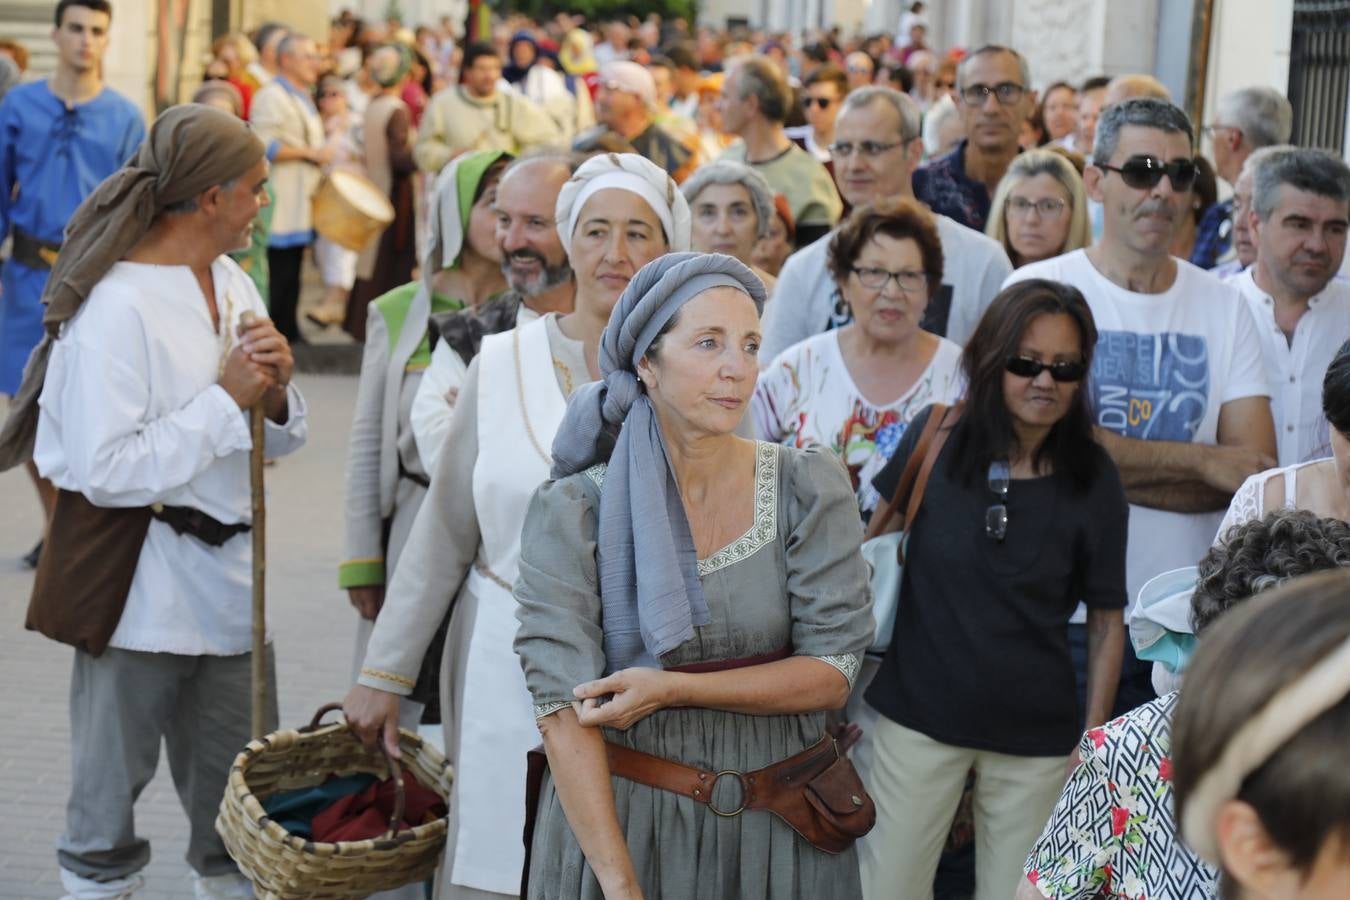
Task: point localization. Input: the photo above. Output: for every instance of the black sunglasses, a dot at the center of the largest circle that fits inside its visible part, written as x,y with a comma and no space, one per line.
1024,367
1144,172
996,516
822,102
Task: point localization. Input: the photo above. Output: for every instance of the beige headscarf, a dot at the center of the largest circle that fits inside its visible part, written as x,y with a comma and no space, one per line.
190,149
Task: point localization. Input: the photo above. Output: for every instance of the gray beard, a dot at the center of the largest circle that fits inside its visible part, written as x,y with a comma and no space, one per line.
545,281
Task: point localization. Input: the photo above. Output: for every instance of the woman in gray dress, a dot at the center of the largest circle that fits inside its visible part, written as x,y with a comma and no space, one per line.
664,555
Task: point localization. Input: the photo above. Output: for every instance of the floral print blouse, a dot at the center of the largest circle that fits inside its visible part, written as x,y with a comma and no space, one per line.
1112,833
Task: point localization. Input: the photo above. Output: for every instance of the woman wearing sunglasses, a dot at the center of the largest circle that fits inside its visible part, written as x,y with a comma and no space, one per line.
1023,516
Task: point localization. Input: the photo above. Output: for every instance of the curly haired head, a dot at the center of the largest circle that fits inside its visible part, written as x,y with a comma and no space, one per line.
1265,553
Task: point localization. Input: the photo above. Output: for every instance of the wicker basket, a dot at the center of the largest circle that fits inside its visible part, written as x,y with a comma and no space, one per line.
283,866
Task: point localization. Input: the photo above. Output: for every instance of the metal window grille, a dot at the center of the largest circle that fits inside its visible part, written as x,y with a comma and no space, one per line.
1319,73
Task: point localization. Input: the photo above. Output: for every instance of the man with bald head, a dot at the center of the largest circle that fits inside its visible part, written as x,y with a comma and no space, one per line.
143,428
993,95
626,103
538,276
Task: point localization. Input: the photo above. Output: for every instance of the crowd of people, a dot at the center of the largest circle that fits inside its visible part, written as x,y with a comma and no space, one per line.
670,328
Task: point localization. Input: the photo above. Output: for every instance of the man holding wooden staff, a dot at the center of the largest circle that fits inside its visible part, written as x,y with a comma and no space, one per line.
157,345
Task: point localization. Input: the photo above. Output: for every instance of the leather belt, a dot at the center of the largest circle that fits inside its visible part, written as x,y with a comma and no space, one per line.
34,252
776,788
194,522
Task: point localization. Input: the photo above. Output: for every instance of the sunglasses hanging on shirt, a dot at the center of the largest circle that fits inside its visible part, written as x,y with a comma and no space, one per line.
996,516
1144,172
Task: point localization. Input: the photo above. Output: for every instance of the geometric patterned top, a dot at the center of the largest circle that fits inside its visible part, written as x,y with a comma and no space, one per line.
1112,833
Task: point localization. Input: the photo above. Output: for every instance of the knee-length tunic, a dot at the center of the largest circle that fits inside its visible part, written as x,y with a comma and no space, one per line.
794,580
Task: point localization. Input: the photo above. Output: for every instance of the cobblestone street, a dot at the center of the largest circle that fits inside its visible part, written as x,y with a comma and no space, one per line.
311,622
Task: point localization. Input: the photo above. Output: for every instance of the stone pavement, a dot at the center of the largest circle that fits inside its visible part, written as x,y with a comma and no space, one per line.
311,621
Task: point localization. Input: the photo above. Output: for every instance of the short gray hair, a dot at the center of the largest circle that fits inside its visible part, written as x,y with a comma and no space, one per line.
938,115
289,41
1146,112
758,77
1262,114
727,171
1302,168
906,108
1023,69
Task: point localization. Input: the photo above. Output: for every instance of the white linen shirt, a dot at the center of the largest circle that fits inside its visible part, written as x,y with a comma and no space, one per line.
1296,369
131,415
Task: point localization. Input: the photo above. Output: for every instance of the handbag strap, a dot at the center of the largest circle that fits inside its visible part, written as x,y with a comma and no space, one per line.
905,487
929,460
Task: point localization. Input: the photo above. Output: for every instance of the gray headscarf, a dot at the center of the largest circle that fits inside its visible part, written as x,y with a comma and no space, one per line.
648,609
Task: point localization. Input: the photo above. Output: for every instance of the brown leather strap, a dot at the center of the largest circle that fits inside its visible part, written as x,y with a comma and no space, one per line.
929,460
761,788
723,665
905,488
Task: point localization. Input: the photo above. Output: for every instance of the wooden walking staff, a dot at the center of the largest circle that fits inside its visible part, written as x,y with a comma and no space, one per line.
259,531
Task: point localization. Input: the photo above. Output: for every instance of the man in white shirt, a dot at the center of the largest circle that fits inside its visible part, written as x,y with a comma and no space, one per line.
877,147
1298,218
1178,385
145,404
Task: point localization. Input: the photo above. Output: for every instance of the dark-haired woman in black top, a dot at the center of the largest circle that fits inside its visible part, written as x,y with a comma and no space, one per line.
1024,516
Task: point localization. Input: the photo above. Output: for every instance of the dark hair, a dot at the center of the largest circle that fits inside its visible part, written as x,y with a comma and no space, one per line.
663,62
759,78
828,73
1095,83
1301,792
1045,94
267,29
102,6
476,51
897,218
985,432
900,74
1261,554
491,174
682,56
817,52
1205,191
1336,391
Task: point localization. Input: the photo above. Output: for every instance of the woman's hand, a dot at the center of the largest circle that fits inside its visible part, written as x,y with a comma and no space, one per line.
372,713
638,693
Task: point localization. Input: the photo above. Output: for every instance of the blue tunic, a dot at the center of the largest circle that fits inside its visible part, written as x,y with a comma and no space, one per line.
51,158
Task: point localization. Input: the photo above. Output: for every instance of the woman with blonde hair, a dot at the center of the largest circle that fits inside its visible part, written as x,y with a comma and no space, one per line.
1040,208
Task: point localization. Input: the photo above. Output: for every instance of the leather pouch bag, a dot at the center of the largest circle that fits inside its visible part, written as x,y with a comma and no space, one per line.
84,573
841,810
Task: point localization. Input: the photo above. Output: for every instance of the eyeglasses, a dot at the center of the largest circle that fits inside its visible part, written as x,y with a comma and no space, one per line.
844,150
822,102
328,95
860,70
1007,92
909,281
1047,208
944,85
1144,172
996,516
1064,372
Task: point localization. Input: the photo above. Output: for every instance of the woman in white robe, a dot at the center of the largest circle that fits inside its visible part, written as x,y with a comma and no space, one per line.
616,214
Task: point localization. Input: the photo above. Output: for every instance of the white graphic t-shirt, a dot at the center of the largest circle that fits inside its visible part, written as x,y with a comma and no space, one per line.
1164,366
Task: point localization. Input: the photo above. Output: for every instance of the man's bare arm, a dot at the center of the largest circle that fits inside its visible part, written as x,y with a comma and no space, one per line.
1182,477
